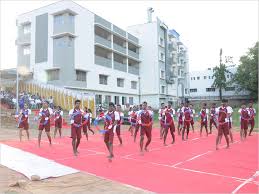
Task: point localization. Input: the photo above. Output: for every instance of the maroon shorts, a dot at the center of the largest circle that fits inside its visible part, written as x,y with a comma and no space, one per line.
58,123
171,127
118,130
145,131
204,123
180,122
252,123
108,136
212,122
244,124
76,132
24,125
223,129
46,127
187,124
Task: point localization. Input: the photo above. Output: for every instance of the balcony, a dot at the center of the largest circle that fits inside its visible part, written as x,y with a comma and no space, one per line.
133,38
119,31
133,54
23,39
133,70
102,22
102,41
119,48
103,61
120,66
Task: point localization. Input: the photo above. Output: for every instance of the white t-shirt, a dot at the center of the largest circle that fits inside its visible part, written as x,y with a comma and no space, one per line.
71,112
217,113
50,111
230,111
29,113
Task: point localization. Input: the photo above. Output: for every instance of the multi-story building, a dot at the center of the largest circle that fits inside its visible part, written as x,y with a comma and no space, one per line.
201,86
65,44
164,63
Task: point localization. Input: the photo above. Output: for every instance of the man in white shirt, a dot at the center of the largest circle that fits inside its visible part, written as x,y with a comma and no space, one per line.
230,111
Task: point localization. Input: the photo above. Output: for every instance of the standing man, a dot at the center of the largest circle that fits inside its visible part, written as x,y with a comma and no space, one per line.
23,121
186,119
112,118
145,121
252,116
244,120
213,118
133,120
223,123
118,127
137,124
160,118
58,121
180,118
76,118
230,110
168,114
44,116
192,116
204,118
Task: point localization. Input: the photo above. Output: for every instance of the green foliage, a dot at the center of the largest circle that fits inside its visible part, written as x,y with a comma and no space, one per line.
247,72
220,81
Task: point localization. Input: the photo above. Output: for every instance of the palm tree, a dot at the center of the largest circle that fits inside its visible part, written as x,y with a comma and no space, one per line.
220,81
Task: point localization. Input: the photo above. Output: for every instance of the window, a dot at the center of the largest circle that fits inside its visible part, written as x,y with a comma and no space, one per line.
64,41
193,78
53,74
131,100
98,99
198,78
231,76
185,90
193,90
108,99
80,76
161,41
162,74
205,77
230,89
120,82
103,79
179,72
227,75
71,18
209,77
162,89
133,85
117,100
59,19
123,100
27,29
26,50
210,89
162,56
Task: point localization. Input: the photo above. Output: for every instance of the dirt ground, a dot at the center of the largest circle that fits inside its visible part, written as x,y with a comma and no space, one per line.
70,184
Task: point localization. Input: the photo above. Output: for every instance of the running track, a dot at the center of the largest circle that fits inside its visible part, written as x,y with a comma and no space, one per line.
193,166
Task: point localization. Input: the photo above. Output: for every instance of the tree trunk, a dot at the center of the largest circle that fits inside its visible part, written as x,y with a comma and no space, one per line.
220,93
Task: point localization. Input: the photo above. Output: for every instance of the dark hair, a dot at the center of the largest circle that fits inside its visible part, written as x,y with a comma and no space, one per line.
144,102
224,100
111,104
162,103
77,101
118,105
204,104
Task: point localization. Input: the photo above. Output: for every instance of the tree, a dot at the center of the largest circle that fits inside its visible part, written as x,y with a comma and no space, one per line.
246,76
220,81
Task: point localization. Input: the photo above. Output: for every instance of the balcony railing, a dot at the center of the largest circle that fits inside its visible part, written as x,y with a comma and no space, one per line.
103,22
133,54
102,41
119,31
120,66
133,38
119,48
133,70
103,61
23,39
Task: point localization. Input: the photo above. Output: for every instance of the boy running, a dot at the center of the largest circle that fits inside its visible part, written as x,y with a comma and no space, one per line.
213,116
180,118
204,118
58,121
186,119
118,126
252,117
160,118
169,122
244,120
23,121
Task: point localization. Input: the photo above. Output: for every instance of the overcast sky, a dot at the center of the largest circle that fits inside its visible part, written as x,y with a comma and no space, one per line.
204,26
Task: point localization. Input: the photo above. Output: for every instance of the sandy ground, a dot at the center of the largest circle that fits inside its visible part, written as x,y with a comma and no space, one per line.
72,184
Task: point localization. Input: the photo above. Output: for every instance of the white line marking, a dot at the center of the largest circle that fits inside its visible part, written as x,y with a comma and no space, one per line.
74,157
246,181
198,156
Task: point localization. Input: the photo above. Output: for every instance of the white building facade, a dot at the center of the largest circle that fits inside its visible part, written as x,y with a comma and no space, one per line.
65,44
201,86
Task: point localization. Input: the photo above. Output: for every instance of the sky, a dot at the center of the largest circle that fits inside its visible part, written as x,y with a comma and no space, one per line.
204,26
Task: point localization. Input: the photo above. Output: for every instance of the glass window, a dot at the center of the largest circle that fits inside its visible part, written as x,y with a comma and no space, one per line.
205,77
80,75
98,99
120,82
131,100
27,29
107,99
193,90
133,85
198,78
117,100
53,74
230,89
162,89
59,19
162,75
123,100
210,89
103,79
